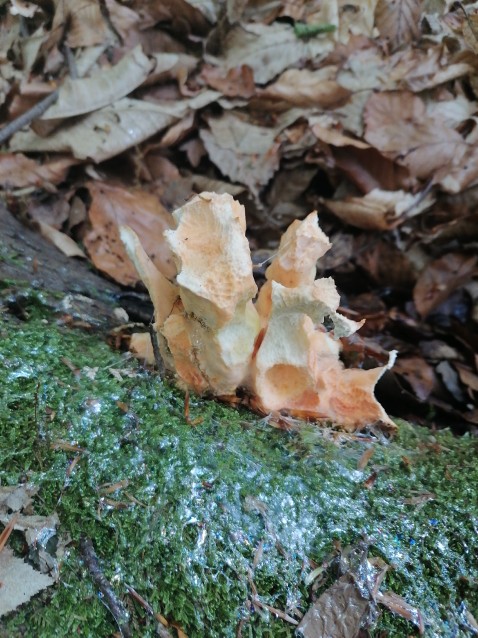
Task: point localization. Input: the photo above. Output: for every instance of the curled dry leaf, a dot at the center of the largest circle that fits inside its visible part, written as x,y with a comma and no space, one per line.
307,89
215,339
379,209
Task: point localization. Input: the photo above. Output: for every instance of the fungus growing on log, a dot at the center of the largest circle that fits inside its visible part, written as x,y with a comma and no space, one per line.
215,339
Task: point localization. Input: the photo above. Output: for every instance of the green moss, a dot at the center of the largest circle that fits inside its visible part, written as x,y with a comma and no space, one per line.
201,499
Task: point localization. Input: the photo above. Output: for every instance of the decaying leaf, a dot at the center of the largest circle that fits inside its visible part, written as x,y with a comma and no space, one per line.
110,130
84,95
306,88
113,205
244,152
269,49
19,171
379,209
215,340
398,125
398,20
19,581
440,278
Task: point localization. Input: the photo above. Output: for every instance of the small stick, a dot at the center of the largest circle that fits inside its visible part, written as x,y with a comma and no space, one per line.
27,118
114,605
157,355
160,628
71,62
5,535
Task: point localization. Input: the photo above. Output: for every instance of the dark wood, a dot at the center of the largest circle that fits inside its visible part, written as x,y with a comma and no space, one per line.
68,284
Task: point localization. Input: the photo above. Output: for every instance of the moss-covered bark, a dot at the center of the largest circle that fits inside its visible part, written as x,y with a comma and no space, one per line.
200,499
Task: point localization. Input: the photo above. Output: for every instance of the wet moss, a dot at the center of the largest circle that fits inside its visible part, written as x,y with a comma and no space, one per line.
200,500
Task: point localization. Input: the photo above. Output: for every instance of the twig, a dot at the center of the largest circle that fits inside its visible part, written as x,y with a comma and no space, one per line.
71,62
5,535
157,355
27,118
114,605
160,628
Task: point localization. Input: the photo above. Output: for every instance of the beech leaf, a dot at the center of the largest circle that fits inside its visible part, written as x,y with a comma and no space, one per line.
84,95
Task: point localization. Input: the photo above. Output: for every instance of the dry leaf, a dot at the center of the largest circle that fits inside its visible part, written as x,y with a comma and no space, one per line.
398,20
419,375
83,23
16,497
379,210
114,205
84,95
338,613
19,171
440,278
23,8
237,82
268,49
307,89
111,130
246,153
19,582
398,125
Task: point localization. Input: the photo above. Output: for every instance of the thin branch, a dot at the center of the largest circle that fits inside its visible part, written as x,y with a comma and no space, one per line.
112,602
27,118
161,630
71,62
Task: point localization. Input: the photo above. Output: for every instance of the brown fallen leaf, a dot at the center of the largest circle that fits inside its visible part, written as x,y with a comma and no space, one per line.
84,95
112,129
113,205
246,153
398,125
237,82
268,49
307,89
19,171
398,21
378,209
440,278
338,613
418,374
83,25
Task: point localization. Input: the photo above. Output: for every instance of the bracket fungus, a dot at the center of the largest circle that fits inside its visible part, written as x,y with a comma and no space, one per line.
216,334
